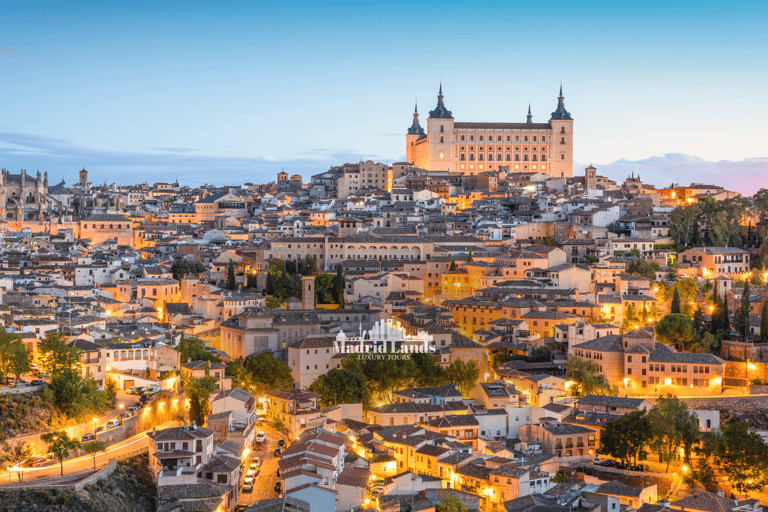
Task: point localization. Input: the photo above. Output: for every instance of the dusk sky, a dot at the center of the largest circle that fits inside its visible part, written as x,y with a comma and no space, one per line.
233,93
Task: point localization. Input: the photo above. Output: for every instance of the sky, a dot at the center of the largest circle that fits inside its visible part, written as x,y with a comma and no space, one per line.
226,92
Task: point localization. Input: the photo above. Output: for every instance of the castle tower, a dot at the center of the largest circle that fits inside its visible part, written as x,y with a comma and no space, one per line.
529,117
415,132
83,179
440,136
307,292
562,140
590,178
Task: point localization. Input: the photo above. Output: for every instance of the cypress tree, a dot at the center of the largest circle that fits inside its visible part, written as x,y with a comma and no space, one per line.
470,259
742,314
764,322
453,265
714,325
675,308
338,285
725,316
231,281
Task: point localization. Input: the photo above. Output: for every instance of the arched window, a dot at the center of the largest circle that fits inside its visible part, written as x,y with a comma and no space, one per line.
471,157
509,158
517,139
490,157
462,137
481,138
562,157
441,139
526,139
562,129
534,138
543,158
525,158
102,226
517,158
533,157
110,226
471,137
543,139
480,157
499,138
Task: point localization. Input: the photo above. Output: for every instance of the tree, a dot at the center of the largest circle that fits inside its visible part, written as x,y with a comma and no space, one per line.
59,445
64,363
339,285
742,313
251,280
453,265
626,437
669,420
675,307
274,302
110,391
464,375
340,386
764,322
198,391
725,316
561,478
267,373
14,354
644,268
470,259
231,279
699,323
94,448
585,378
56,356
428,372
279,426
743,456
498,359
631,320
384,376
451,503
241,376
193,349
676,330
547,241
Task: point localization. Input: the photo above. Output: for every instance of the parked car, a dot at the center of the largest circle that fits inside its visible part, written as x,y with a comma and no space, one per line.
133,409
88,437
608,463
21,384
248,484
278,451
639,467
128,414
100,429
597,461
378,490
261,436
278,486
113,423
281,443
35,462
241,508
38,382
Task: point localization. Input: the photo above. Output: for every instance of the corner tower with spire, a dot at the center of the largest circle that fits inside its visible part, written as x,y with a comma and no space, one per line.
414,135
441,151
562,139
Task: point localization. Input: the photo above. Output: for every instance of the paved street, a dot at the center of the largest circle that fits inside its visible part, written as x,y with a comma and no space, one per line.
79,465
264,483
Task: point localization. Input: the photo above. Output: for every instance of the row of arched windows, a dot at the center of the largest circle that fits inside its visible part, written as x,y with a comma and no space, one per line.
509,138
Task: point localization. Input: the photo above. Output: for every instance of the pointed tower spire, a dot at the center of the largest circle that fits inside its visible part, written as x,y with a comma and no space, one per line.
416,128
440,111
529,119
560,112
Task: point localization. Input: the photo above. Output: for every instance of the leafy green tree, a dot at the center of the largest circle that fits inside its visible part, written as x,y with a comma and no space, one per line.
251,280
699,323
644,268
626,437
383,376
198,391
340,386
241,376
56,357
675,307
464,375
743,457
274,302
683,226
94,448
742,314
279,426
451,503
585,378
540,355
231,279
428,372
561,478
14,354
59,445
764,322
725,315
193,349
110,391
547,241
669,419
453,265
269,289
325,289
676,330
631,319
267,373
498,359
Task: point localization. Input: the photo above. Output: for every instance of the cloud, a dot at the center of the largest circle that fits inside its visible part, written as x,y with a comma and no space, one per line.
63,157
744,176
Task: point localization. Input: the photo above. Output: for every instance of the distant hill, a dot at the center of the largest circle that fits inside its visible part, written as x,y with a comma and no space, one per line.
744,176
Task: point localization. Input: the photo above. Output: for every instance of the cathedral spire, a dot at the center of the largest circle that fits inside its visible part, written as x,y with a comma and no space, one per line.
529,119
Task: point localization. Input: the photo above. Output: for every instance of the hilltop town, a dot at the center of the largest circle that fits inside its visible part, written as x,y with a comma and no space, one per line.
402,337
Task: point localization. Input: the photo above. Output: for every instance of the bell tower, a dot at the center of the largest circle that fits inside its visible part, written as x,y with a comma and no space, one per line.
308,292
562,140
83,179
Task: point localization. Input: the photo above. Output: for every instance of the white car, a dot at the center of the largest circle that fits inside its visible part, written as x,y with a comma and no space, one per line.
261,436
248,484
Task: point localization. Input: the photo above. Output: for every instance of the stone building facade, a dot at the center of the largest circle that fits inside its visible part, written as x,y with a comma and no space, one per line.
474,148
